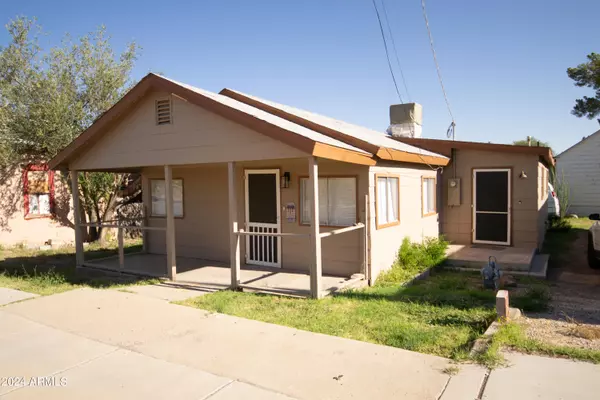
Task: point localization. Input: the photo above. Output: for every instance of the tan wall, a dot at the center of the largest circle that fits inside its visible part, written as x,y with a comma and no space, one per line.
195,136
385,242
203,232
15,229
457,220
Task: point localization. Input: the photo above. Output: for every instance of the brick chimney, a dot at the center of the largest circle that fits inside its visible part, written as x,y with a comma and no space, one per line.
406,120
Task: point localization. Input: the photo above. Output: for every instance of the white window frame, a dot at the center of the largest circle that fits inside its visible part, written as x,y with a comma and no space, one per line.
176,214
424,186
380,223
302,195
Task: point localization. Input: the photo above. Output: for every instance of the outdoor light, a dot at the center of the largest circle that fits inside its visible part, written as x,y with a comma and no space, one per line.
285,180
523,175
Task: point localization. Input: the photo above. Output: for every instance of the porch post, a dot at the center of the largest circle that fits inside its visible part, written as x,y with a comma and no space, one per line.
171,256
315,239
234,238
77,218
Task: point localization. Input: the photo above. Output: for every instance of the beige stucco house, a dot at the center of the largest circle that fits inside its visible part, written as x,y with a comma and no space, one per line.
34,207
236,179
492,194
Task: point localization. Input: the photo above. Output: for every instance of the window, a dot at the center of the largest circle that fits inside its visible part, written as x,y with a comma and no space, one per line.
38,191
159,204
163,111
387,199
337,201
428,198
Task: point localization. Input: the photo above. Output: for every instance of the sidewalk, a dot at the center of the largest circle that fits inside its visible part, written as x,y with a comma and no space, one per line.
283,360
74,367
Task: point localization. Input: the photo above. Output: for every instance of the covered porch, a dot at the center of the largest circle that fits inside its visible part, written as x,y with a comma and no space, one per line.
256,261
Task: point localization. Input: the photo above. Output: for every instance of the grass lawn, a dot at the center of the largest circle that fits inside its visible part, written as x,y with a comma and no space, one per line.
512,335
47,272
442,315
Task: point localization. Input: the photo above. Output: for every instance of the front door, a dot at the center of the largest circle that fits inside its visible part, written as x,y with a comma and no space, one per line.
491,206
262,216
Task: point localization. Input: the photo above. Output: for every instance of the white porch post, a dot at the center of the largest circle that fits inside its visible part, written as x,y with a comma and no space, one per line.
234,238
315,239
171,256
77,218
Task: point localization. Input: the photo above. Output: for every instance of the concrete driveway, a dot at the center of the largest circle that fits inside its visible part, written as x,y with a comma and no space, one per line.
112,344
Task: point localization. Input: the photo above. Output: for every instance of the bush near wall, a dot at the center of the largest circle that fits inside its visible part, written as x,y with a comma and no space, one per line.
414,258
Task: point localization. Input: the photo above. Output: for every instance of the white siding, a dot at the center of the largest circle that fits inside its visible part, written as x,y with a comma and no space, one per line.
581,167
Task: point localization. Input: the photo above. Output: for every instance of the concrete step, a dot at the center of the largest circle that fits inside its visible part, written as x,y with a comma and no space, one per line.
538,268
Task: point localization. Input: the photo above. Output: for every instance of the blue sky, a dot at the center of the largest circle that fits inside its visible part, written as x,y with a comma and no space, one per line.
503,62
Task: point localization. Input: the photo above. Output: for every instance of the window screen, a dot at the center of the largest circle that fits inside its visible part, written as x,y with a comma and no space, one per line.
159,207
387,200
337,201
429,196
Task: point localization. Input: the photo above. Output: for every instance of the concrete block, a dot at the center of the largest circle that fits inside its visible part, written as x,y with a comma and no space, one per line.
502,308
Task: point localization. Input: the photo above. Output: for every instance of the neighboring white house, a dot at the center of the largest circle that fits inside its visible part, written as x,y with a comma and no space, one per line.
580,164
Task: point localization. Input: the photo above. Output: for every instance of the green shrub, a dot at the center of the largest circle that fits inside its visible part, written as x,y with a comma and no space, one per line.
414,258
558,224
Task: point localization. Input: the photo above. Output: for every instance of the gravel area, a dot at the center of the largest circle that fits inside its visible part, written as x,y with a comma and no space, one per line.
562,333
573,319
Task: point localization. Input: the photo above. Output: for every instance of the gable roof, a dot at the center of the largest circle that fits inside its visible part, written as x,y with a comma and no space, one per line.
445,147
578,143
378,143
347,143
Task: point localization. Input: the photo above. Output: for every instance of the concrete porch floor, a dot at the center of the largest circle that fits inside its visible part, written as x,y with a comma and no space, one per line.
207,275
519,261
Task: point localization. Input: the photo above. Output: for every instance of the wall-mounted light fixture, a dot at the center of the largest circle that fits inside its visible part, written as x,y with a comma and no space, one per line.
285,180
523,175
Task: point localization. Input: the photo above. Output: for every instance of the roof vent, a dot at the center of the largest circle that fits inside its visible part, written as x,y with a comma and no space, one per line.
163,112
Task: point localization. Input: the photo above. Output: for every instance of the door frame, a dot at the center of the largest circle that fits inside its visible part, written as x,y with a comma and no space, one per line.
276,172
474,206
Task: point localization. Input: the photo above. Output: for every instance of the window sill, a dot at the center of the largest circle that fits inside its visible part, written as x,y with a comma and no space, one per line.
38,216
390,224
164,216
430,214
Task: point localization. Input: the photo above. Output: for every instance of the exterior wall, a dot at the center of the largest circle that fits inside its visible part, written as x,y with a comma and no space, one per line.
203,231
15,229
457,222
385,242
195,136
543,175
581,170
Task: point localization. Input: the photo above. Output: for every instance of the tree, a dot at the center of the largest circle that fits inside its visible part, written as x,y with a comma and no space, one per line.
534,142
587,75
48,97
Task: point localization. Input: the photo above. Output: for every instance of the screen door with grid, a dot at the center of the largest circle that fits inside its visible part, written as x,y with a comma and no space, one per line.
491,206
263,216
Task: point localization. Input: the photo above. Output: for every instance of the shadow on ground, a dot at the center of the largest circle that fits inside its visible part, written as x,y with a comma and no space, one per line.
59,266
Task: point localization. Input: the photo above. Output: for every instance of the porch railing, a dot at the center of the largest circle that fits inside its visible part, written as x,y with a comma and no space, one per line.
116,224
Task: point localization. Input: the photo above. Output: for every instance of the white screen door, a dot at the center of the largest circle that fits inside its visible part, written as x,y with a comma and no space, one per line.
491,206
263,216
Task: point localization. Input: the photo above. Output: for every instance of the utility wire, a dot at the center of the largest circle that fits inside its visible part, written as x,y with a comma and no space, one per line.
387,54
394,47
437,67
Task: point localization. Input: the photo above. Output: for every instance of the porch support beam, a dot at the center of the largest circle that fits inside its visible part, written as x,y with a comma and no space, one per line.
315,238
234,238
79,258
170,234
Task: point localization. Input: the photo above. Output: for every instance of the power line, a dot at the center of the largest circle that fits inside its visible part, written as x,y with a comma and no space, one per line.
387,54
394,47
437,67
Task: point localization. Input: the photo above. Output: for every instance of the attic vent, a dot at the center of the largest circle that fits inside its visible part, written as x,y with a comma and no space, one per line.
163,112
